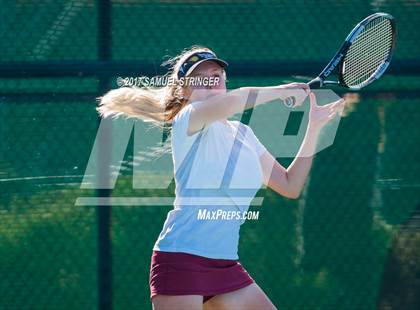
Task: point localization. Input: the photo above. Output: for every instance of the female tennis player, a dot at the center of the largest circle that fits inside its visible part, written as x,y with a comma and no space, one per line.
219,165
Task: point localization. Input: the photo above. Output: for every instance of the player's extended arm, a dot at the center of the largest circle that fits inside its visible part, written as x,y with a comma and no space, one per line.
223,106
289,182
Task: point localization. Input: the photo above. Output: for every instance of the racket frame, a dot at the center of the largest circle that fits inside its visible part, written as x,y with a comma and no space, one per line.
337,60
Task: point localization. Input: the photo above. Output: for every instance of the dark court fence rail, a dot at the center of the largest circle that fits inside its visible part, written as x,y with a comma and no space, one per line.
350,242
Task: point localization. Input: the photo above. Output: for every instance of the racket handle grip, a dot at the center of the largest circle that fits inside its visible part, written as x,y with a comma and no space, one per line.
315,83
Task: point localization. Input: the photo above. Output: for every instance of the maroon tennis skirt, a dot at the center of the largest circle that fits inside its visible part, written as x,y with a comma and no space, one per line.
176,273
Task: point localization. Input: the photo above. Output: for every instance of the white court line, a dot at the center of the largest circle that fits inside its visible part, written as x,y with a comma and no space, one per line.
159,201
42,177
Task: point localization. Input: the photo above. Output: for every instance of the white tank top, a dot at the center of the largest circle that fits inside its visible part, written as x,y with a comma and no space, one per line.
216,169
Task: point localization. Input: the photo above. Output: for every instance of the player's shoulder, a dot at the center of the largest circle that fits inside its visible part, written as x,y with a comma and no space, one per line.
240,124
183,112
183,115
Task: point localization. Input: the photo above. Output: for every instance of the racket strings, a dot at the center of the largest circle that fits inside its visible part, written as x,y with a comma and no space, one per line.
368,51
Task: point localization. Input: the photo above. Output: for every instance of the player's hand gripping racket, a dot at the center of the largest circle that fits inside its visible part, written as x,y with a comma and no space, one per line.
363,57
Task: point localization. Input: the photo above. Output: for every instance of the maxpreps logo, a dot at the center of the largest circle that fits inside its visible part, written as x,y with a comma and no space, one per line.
107,163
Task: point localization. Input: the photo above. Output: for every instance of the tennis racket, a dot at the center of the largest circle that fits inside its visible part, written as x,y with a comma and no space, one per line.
363,57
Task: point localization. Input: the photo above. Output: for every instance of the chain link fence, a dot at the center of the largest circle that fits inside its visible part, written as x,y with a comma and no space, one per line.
350,242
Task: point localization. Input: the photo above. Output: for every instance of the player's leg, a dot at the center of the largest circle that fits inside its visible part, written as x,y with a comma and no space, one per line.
181,302
250,297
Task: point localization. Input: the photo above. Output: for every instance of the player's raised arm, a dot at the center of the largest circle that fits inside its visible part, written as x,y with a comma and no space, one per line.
290,182
224,105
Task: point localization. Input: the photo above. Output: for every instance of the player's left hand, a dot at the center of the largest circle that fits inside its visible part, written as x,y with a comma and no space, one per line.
319,116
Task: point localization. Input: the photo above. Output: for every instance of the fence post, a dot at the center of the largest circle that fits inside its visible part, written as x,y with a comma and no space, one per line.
103,213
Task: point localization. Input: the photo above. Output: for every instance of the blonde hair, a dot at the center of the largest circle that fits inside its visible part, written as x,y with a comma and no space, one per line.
151,104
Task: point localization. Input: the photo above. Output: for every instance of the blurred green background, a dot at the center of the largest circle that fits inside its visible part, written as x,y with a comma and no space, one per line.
351,241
